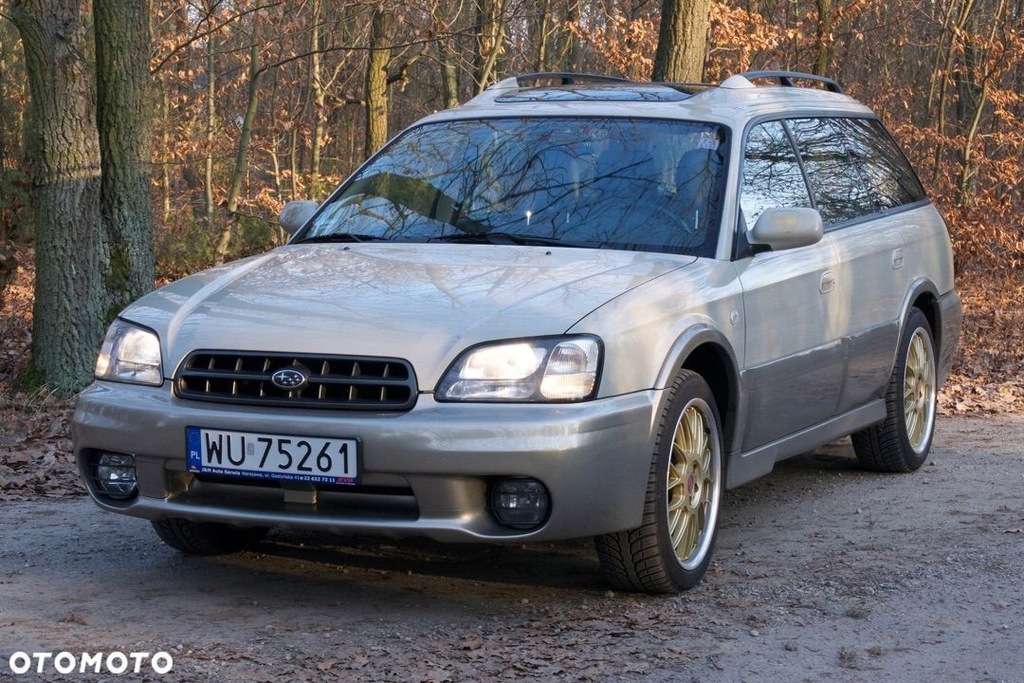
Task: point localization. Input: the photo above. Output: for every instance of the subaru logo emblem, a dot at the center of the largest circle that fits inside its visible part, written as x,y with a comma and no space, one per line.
290,379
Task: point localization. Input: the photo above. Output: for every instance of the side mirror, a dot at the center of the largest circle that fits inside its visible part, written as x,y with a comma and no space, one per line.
295,214
787,228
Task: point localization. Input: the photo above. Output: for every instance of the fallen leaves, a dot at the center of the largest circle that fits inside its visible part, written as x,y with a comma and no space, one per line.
988,373
72,618
35,444
35,448
473,643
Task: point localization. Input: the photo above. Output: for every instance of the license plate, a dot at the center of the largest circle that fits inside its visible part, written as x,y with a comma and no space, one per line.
252,455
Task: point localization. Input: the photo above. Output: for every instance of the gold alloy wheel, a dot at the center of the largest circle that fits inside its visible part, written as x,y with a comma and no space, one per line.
671,549
919,390
693,485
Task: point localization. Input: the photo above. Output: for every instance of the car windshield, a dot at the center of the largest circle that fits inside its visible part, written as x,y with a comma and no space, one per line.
616,183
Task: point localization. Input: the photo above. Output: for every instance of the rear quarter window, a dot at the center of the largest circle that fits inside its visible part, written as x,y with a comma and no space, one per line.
854,168
890,177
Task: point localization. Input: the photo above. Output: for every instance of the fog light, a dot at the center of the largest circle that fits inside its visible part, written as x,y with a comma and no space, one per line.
114,474
519,503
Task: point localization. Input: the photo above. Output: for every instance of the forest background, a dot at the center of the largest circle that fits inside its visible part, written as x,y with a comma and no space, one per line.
251,103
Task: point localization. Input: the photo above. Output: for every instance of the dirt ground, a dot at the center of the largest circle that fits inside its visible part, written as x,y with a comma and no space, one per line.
822,573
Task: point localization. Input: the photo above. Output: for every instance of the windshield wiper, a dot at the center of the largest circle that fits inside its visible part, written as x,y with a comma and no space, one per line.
498,237
343,237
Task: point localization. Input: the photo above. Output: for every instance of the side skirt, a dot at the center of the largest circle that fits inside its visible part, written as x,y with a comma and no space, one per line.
745,467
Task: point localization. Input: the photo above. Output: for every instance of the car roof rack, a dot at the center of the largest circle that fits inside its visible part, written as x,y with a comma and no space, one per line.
502,89
568,78
511,83
786,79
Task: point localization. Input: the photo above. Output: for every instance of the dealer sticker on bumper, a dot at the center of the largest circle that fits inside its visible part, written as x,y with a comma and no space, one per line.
253,455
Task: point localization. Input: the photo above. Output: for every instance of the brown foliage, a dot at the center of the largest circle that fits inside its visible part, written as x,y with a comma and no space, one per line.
35,446
947,82
738,39
988,375
625,45
16,321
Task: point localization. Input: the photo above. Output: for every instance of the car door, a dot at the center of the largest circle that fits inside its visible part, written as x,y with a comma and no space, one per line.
856,194
793,359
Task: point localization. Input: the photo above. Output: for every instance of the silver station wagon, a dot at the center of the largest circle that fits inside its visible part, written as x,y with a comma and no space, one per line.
575,306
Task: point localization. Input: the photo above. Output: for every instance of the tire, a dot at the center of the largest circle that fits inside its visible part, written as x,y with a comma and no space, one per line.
206,538
900,442
671,549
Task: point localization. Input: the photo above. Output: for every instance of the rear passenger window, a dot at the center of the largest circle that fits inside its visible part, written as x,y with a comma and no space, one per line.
893,183
771,172
836,172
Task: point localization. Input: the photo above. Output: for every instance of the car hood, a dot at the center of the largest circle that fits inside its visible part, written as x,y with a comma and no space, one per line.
421,302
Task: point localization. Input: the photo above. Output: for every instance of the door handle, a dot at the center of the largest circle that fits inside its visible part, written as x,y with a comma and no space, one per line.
897,259
828,282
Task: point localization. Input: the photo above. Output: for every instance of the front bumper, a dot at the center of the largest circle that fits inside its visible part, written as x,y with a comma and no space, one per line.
422,473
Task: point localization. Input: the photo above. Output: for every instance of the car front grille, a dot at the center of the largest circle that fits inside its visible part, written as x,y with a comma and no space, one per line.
308,381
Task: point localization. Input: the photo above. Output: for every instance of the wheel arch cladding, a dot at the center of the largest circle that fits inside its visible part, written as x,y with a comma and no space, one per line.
928,303
715,364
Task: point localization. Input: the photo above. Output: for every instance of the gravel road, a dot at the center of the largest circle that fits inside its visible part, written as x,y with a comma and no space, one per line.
822,573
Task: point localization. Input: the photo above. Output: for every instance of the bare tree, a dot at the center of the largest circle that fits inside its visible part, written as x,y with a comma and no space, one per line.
242,147
490,38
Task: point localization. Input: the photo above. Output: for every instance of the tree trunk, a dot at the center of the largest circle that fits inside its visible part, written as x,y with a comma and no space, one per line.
211,129
377,79
124,116
974,90
242,150
319,101
490,38
8,267
70,300
6,115
293,162
965,14
682,41
568,43
540,28
943,54
823,37
446,55
165,147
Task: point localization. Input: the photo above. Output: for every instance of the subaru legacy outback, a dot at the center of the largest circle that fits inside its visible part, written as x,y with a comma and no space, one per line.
575,306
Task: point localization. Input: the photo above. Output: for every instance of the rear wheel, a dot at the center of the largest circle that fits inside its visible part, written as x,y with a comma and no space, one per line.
206,538
900,443
671,549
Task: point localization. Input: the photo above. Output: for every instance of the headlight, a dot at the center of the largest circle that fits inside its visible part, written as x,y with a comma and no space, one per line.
529,370
130,354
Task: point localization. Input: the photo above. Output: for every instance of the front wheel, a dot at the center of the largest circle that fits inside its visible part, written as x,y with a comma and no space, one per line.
206,538
671,549
900,443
